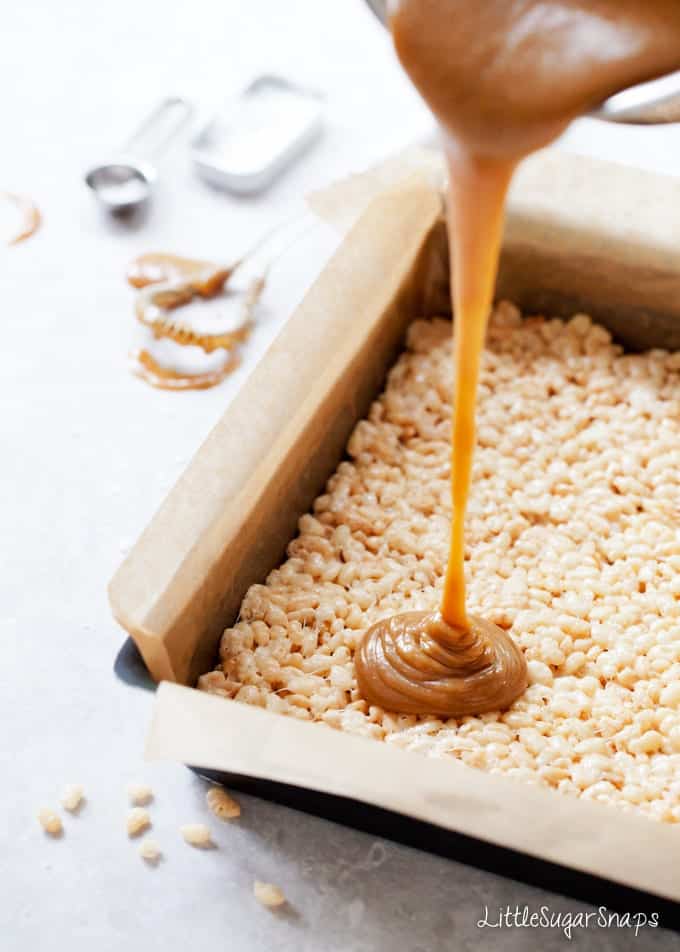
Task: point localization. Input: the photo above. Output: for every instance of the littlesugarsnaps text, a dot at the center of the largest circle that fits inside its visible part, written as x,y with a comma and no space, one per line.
543,917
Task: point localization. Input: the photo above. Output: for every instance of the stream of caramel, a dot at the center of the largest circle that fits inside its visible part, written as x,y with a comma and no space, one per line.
503,79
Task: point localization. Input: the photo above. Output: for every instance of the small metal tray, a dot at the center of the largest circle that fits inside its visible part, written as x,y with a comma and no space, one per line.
257,135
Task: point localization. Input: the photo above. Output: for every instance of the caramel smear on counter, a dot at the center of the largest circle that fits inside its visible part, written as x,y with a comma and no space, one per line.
204,277
30,216
167,284
503,79
145,366
155,307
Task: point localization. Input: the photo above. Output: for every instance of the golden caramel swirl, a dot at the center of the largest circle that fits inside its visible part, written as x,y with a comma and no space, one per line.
415,663
204,277
145,366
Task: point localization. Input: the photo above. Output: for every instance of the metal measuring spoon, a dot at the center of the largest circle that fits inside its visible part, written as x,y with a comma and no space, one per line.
125,182
651,103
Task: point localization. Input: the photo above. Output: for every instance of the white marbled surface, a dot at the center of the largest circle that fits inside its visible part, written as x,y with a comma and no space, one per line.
88,453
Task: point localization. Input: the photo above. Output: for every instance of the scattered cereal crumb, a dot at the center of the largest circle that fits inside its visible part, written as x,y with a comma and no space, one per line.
72,797
149,850
140,794
50,821
196,834
137,821
268,894
221,804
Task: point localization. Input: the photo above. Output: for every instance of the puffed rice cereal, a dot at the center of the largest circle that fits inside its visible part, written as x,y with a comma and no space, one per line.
196,834
573,546
140,794
138,820
268,894
149,850
221,804
72,797
50,821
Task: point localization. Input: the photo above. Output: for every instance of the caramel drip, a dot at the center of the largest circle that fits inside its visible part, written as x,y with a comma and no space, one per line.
204,277
503,79
146,367
477,194
30,213
166,283
155,306
416,663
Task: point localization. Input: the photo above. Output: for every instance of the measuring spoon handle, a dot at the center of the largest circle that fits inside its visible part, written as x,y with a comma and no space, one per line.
161,126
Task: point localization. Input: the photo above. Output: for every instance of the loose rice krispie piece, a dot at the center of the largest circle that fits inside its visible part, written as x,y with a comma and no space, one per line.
140,794
221,804
268,894
150,851
138,820
72,797
50,822
196,834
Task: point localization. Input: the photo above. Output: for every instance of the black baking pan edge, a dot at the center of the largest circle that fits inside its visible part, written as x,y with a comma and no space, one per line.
500,860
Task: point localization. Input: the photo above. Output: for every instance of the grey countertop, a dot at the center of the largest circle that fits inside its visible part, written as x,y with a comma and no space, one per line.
88,452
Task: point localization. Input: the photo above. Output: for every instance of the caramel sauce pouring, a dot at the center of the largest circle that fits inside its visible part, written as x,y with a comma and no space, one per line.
503,79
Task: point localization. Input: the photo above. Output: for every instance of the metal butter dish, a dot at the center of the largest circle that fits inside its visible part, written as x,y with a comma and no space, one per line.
257,135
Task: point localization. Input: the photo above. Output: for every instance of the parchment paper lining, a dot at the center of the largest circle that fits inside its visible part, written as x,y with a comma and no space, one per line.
215,733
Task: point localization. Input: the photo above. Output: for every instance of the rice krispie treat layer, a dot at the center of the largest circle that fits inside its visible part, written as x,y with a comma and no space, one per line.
573,546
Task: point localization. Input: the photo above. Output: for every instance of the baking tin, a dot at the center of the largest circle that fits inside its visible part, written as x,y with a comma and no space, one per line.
581,236
257,135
